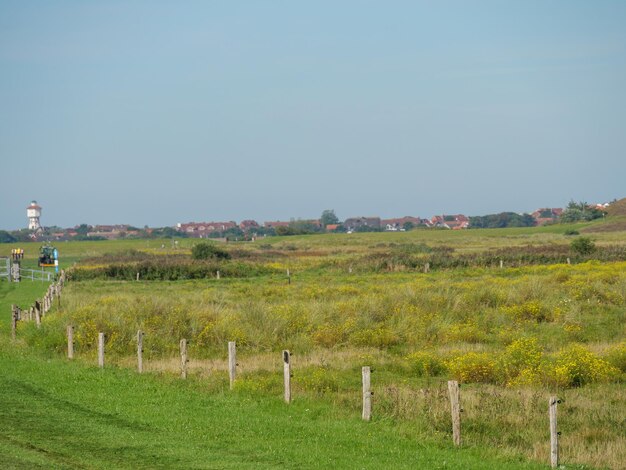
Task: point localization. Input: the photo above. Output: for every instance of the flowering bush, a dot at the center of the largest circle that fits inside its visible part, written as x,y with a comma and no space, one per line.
532,310
472,367
425,364
576,366
523,358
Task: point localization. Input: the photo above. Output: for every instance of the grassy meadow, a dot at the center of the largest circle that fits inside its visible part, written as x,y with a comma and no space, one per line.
512,335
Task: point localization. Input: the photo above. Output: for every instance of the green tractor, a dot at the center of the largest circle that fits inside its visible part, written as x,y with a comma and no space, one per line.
48,256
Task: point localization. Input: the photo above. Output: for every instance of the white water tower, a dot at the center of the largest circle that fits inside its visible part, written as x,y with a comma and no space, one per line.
33,212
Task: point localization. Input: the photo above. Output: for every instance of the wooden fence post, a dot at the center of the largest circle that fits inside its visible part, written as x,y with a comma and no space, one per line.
501,264
554,435
37,313
426,267
137,276
183,359
70,342
232,362
569,261
101,350
287,375
288,277
13,322
217,275
367,394
455,409
140,351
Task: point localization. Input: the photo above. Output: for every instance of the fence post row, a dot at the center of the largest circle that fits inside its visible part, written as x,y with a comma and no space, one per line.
287,375
367,393
40,307
232,362
455,409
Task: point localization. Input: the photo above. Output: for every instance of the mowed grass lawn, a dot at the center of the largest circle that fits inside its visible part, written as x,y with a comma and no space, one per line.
58,414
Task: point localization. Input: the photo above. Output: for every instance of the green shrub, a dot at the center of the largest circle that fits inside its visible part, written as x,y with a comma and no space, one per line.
583,245
170,270
204,250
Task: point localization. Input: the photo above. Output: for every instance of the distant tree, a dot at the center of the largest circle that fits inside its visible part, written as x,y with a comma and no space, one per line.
82,229
169,232
408,226
303,227
580,212
501,220
583,245
22,235
282,231
260,231
368,228
328,217
87,238
234,232
6,237
204,250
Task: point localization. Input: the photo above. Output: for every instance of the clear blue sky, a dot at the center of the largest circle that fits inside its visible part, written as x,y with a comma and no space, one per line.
150,112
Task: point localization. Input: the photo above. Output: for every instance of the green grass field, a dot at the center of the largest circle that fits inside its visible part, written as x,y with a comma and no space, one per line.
512,336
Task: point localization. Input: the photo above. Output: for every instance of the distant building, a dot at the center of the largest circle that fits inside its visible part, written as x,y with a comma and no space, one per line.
33,212
546,215
453,222
276,223
111,228
394,225
110,232
204,229
356,223
247,225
